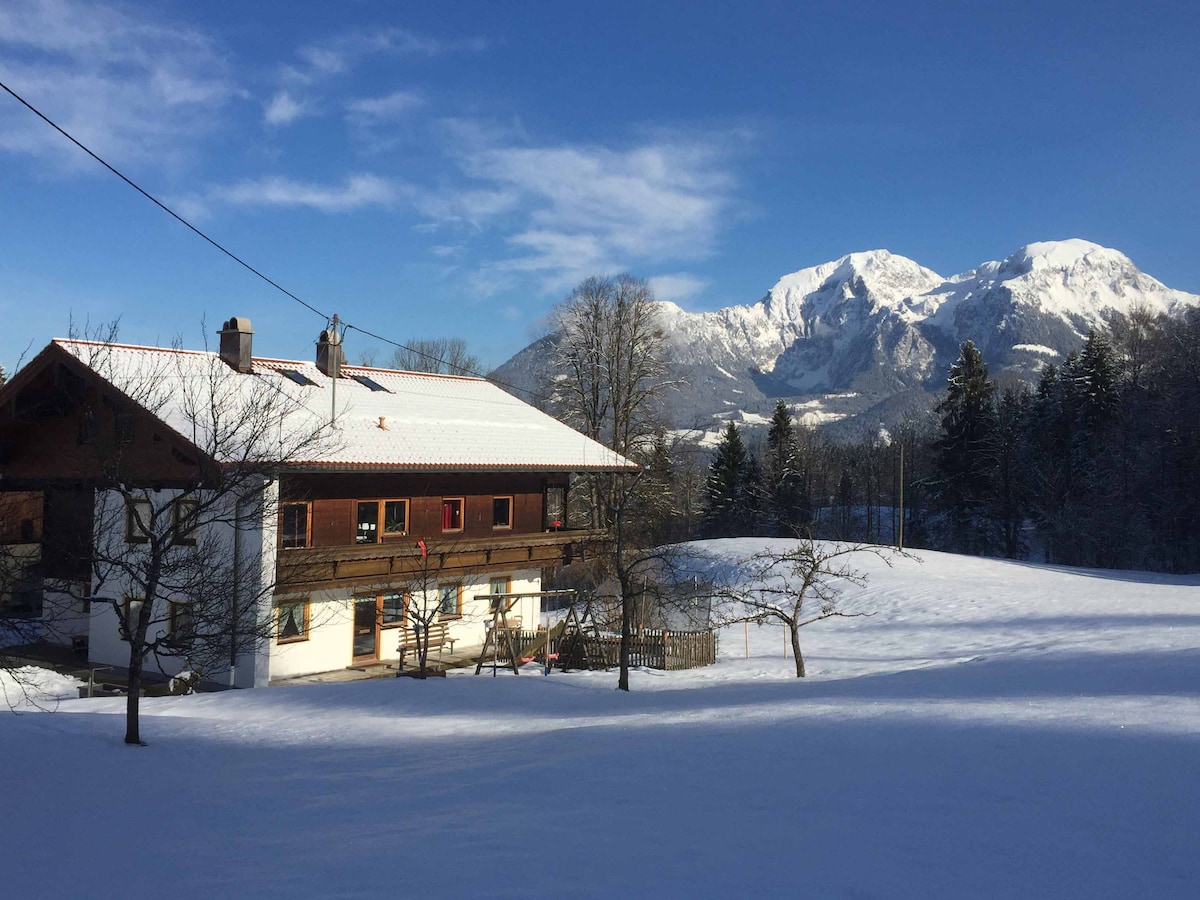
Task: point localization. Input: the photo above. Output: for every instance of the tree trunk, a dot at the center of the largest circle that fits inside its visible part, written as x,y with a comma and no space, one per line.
132,735
626,635
796,651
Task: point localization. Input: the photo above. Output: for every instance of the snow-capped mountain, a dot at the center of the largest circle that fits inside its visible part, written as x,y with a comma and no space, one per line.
875,332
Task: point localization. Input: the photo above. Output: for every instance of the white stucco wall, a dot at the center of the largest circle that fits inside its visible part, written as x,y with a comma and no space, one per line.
255,556
330,640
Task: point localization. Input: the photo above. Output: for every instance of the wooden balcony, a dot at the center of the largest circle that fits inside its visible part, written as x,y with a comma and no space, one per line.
401,562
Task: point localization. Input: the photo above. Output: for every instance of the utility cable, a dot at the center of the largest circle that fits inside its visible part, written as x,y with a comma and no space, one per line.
346,326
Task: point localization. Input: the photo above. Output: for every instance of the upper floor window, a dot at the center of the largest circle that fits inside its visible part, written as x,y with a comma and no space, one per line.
183,514
87,427
123,422
452,514
556,506
293,526
395,518
502,512
367,529
139,517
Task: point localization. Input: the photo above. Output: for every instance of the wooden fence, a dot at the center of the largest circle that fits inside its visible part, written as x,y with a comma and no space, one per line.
668,650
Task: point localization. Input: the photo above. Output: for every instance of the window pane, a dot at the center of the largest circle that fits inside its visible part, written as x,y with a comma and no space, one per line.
448,600
395,517
393,608
556,502
502,512
293,622
497,586
295,525
452,515
185,526
368,523
138,521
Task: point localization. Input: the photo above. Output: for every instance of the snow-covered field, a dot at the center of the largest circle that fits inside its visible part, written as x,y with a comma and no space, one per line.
994,730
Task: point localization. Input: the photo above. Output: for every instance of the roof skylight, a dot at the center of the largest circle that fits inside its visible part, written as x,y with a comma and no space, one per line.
371,383
298,377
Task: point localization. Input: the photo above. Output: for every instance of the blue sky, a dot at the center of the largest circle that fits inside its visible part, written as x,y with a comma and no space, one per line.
453,169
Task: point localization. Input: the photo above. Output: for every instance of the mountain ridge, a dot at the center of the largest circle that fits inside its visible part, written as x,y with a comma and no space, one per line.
848,337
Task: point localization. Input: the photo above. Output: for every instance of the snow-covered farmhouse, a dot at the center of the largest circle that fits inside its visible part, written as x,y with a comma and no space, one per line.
289,515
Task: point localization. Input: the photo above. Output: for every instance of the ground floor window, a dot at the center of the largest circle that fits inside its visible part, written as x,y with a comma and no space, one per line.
292,622
449,600
181,627
392,608
498,585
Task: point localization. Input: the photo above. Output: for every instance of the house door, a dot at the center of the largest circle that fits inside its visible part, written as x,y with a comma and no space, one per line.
366,629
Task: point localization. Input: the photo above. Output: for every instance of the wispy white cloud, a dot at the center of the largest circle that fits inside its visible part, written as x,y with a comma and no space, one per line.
342,52
388,108
284,109
571,211
355,192
677,287
131,88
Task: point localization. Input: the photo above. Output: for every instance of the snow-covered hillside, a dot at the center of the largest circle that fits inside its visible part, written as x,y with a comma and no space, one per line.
882,327
995,729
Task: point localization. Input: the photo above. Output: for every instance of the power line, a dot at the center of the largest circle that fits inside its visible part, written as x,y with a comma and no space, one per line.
129,181
156,201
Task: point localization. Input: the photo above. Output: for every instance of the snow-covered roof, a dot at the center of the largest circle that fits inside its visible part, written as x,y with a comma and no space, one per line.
384,419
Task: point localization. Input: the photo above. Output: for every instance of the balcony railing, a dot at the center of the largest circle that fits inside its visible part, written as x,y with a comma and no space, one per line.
404,559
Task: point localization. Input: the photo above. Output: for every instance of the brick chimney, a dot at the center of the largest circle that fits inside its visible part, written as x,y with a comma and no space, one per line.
236,340
330,357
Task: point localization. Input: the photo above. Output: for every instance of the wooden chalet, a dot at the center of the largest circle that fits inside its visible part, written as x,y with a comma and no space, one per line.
421,489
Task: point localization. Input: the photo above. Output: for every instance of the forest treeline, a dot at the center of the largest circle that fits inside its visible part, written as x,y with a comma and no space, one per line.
1098,464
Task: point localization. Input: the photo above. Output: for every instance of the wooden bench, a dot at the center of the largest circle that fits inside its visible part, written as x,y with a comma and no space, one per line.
438,636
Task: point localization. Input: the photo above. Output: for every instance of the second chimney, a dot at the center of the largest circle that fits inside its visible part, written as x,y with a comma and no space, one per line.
236,340
330,357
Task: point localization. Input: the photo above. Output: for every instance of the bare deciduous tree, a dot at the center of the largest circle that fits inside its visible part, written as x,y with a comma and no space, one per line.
182,563
439,356
796,586
610,370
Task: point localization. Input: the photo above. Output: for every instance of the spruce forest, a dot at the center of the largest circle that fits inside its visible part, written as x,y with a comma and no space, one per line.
1097,464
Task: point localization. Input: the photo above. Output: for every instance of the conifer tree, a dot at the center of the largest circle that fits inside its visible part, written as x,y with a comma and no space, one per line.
965,450
728,499
788,508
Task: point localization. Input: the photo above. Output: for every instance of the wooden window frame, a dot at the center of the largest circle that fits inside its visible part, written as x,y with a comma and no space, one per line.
384,535
295,639
462,514
124,427
511,508
458,600
283,507
492,580
173,623
126,610
184,539
134,535
378,523
403,620
547,522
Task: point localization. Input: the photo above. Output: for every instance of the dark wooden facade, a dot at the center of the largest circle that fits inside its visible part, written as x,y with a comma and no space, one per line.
65,433
334,557
334,499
